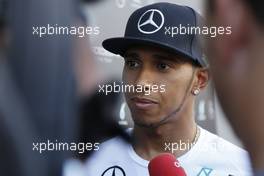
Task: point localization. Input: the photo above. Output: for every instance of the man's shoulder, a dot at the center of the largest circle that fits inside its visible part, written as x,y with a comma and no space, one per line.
113,148
224,154
112,153
220,144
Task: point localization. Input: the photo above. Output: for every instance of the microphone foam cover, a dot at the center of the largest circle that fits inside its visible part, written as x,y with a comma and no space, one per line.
165,165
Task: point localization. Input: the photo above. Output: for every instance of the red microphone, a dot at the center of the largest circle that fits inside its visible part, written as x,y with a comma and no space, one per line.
165,165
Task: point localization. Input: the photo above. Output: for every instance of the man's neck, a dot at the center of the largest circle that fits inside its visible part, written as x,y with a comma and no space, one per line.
149,142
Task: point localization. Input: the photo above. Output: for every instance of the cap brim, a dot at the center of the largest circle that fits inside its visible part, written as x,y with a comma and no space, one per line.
120,45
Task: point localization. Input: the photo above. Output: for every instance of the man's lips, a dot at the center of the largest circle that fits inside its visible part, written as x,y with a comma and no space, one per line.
143,103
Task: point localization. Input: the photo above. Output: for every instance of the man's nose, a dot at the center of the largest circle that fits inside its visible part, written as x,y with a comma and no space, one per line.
144,79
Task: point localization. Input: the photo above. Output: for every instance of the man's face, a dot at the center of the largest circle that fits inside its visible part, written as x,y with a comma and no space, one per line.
152,68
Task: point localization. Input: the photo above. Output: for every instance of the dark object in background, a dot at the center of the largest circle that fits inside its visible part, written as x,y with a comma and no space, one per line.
3,7
37,92
98,114
38,100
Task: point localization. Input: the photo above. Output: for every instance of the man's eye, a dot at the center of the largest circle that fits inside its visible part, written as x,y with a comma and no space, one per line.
163,66
132,64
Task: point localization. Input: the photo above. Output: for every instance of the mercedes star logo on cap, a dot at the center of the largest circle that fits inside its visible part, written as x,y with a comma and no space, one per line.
156,22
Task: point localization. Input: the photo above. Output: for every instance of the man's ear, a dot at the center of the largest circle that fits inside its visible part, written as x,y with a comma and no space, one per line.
202,78
234,14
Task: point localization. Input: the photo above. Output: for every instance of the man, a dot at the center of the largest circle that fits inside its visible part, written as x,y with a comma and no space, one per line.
156,59
237,66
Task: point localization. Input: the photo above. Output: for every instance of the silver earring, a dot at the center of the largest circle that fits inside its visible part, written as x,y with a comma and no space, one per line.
196,92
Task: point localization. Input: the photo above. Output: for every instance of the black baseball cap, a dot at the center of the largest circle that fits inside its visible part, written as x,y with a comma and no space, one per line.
152,25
